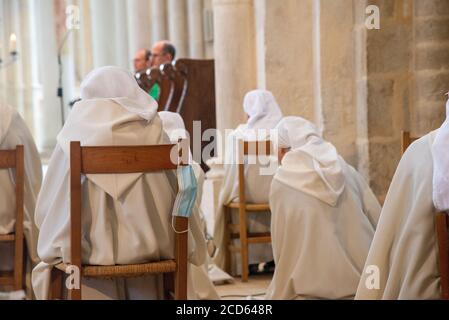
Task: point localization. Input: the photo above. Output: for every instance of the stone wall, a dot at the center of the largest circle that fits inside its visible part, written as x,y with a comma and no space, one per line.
361,87
383,89
430,79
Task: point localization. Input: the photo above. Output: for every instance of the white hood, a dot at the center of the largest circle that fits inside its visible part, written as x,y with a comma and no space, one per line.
111,99
263,112
440,154
313,165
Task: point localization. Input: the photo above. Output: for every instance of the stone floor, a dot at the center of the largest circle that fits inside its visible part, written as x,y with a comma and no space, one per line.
256,287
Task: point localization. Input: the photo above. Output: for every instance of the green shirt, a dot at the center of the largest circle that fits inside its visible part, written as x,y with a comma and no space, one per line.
155,92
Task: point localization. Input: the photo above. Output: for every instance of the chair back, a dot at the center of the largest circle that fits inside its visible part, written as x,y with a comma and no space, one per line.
122,160
14,159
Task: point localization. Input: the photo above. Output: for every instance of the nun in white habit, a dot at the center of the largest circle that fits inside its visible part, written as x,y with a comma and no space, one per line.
263,115
404,253
323,218
126,218
173,125
13,132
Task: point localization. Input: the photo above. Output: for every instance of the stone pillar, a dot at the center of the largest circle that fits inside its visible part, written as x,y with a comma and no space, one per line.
139,25
177,26
288,52
335,105
159,20
14,77
195,22
103,42
119,23
430,65
85,61
46,106
235,63
208,23
383,92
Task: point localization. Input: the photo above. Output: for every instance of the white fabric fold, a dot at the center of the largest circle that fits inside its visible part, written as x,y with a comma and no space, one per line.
173,125
404,254
320,250
120,86
440,153
113,93
313,165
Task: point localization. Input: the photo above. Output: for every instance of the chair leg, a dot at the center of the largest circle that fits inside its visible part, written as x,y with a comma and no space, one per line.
443,253
243,244
56,284
19,265
169,286
227,239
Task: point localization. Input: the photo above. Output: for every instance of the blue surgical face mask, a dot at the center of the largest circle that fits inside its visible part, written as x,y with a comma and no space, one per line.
187,191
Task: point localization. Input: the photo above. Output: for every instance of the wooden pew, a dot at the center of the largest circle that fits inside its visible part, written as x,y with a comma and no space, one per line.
187,88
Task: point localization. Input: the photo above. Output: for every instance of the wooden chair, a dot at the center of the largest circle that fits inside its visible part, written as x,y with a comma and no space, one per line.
14,159
240,231
120,160
442,226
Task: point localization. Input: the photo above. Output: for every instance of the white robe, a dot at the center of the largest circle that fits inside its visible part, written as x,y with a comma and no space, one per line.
320,250
405,247
13,132
126,218
257,189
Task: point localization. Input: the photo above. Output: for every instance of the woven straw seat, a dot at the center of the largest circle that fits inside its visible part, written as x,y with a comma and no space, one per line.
259,207
7,237
6,278
124,271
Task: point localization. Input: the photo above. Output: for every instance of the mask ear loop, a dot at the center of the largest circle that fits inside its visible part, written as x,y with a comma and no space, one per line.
174,229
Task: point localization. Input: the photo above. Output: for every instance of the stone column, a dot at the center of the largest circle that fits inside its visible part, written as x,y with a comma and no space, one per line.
159,20
103,42
430,65
383,89
195,22
85,61
139,25
46,106
289,55
119,23
177,26
235,59
335,108
208,23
